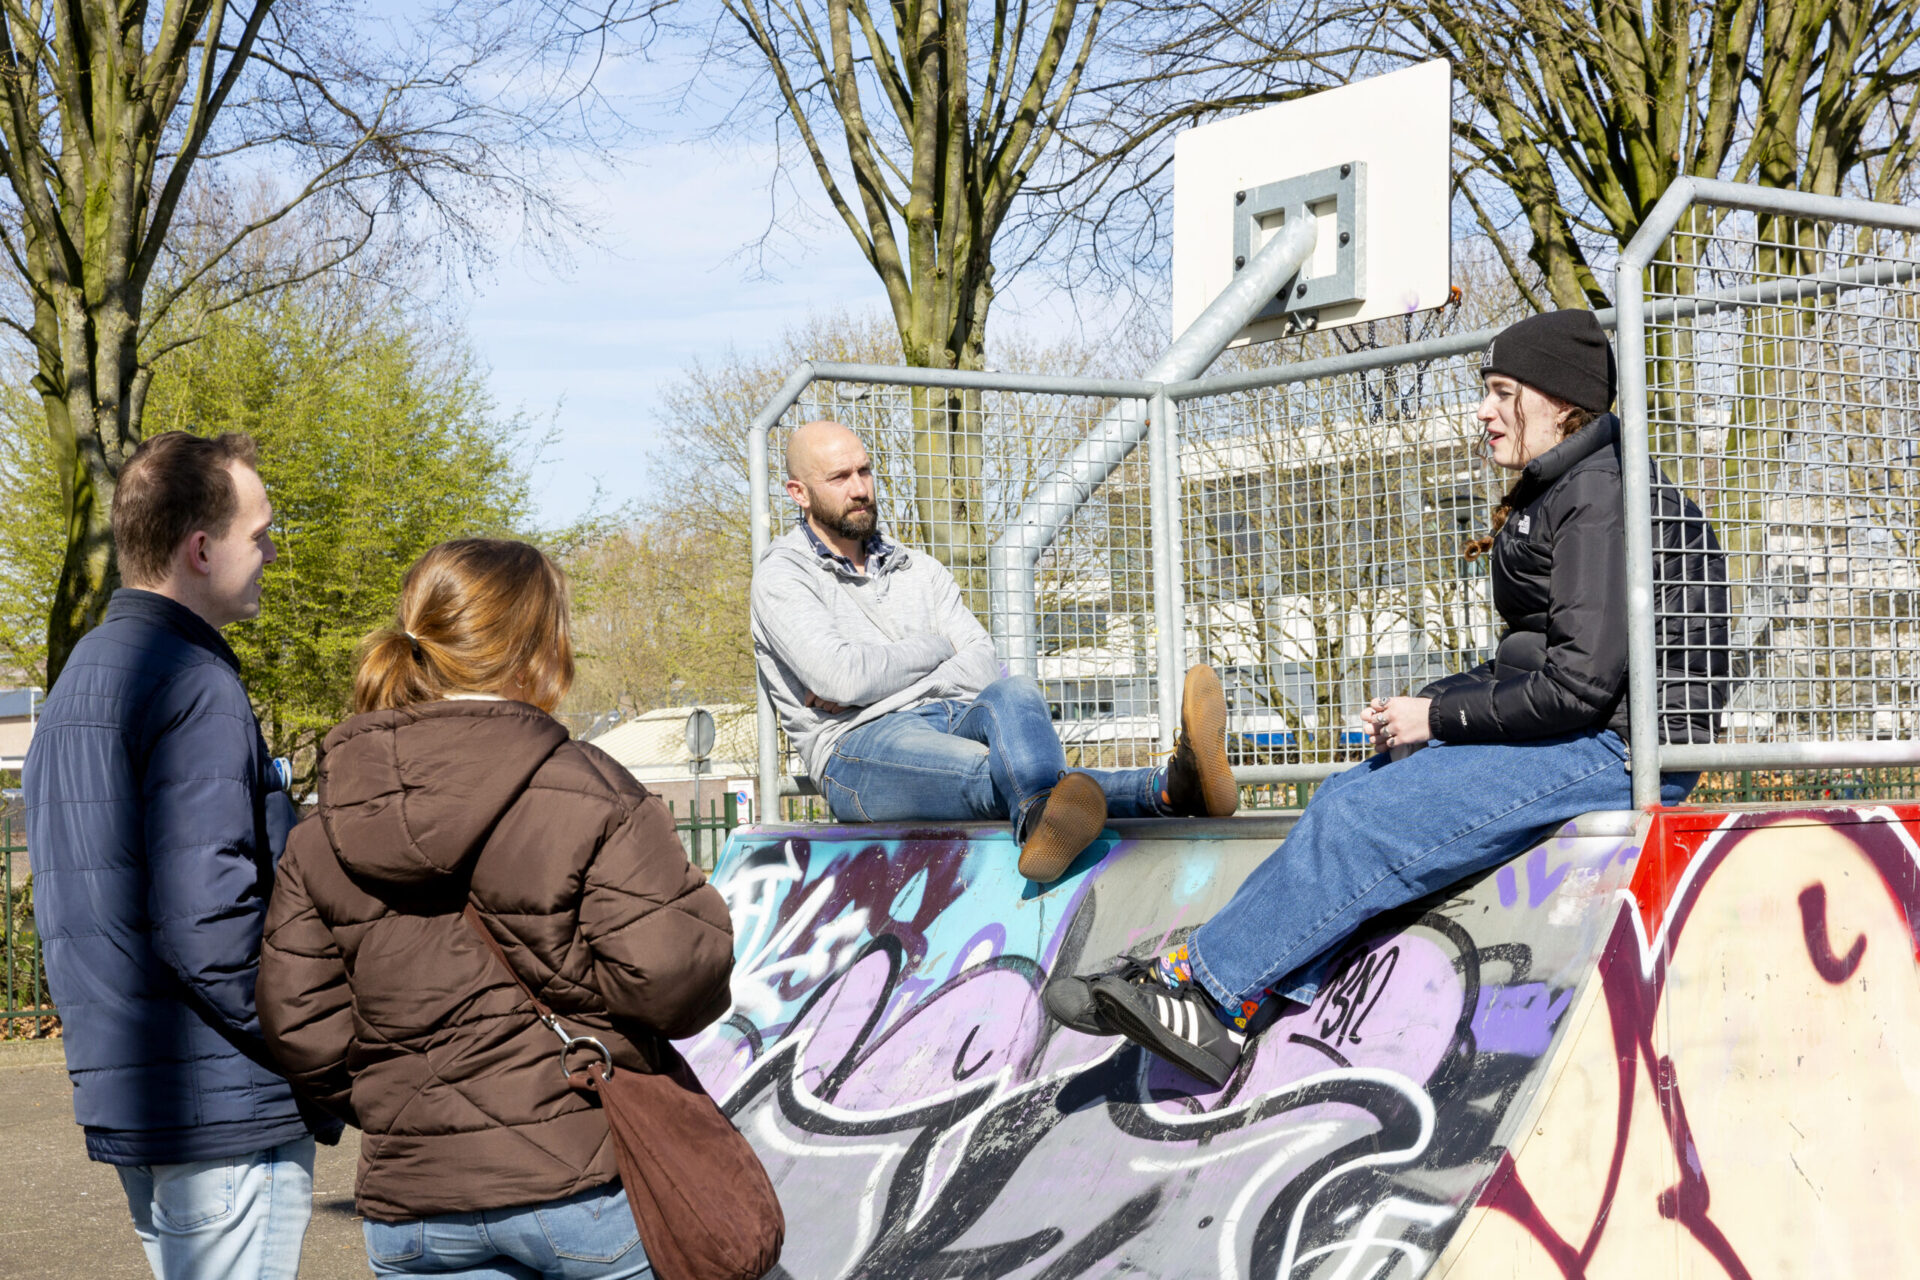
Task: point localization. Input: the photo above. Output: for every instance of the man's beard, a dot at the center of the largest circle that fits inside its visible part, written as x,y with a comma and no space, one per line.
854,523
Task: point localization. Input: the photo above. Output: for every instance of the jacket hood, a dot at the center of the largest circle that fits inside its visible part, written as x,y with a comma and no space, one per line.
408,796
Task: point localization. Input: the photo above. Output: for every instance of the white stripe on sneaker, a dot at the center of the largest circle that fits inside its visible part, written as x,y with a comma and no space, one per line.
1160,1009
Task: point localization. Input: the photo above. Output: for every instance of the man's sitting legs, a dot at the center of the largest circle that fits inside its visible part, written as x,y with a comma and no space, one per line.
999,756
994,757
907,767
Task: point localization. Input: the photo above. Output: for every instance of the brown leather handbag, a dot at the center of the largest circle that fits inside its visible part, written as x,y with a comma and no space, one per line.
704,1204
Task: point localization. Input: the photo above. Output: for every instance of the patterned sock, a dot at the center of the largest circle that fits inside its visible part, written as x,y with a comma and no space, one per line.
1248,1008
1159,785
1175,969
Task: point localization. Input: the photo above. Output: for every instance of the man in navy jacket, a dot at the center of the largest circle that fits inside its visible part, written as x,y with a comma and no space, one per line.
154,819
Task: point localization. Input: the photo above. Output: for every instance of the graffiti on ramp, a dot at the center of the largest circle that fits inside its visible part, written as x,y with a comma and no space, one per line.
889,1057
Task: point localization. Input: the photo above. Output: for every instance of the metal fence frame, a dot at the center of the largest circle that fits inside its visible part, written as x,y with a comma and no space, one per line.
1635,455
24,1001
1161,401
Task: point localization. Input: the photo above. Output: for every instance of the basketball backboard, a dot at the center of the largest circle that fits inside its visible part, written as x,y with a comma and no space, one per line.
1369,160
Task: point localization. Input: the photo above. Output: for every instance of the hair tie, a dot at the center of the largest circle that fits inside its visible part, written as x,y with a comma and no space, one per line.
413,640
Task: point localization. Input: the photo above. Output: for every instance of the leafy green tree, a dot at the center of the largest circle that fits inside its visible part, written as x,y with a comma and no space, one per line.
376,440
126,130
31,518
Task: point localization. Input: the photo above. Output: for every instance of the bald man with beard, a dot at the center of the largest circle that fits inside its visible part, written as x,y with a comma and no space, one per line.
891,694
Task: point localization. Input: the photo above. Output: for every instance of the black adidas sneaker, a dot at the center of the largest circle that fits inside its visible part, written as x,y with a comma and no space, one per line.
1070,999
1174,1023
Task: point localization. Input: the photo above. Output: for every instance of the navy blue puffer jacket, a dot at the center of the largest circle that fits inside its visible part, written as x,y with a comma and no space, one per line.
153,823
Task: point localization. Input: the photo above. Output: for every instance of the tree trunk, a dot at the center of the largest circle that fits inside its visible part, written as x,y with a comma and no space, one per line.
89,406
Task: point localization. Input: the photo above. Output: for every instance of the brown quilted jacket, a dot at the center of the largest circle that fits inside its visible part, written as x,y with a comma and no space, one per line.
382,1004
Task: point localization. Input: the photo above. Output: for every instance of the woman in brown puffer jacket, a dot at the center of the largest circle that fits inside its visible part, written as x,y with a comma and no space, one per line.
454,785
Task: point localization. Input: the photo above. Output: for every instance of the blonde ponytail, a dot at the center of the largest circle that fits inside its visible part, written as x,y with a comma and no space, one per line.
476,615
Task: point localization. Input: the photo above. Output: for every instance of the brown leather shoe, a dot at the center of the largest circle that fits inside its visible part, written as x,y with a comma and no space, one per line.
1199,779
1075,811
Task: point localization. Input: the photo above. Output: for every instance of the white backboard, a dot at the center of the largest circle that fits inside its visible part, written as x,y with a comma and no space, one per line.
1396,127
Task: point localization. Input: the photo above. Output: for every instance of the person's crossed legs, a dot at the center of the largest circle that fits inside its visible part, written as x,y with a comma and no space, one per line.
1378,837
999,756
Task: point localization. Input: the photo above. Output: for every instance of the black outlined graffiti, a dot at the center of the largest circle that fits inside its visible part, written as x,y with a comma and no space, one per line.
927,1126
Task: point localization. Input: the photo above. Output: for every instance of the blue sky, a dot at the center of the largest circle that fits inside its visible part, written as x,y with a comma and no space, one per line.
591,346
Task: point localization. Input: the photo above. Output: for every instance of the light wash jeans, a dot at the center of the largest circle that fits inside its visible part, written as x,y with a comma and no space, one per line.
1381,835
588,1236
952,761
236,1218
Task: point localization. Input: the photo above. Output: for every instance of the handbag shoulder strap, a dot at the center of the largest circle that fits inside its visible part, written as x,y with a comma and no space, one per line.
568,1041
472,916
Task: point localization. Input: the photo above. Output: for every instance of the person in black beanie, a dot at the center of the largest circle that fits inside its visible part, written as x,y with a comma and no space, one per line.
1512,749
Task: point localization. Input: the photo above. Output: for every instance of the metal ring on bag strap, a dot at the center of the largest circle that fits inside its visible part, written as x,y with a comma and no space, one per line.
569,1042
606,1059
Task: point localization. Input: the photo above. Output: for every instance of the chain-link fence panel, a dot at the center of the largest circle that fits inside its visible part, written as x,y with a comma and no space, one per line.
953,467
1783,397
1324,534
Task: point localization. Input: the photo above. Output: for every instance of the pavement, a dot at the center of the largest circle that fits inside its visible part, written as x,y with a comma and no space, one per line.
63,1217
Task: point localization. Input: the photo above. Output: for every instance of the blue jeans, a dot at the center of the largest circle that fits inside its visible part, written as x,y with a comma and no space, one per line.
1383,834
952,761
240,1216
588,1236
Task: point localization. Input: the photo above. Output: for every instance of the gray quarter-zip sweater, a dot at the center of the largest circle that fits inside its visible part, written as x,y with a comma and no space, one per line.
893,639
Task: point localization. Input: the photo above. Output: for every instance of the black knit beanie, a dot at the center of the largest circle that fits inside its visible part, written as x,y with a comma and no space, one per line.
1563,353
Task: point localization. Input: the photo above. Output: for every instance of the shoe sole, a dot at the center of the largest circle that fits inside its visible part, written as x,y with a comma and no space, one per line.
1118,1012
1076,813
1203,719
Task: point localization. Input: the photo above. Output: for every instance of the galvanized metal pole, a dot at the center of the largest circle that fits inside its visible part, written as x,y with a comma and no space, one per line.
760,521
1163,529
1012,558
1177,560
1636,477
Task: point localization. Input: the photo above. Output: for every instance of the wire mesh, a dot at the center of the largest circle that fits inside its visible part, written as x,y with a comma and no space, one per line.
952,469
1793,419
1323,528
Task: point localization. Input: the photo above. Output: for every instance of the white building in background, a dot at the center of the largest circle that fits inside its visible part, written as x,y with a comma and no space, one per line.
19,709
1321,565
652,746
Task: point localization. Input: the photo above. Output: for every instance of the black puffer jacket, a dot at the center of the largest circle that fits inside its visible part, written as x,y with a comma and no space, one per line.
1560,585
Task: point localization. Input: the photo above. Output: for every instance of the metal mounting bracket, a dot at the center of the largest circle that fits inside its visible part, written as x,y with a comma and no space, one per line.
1341,190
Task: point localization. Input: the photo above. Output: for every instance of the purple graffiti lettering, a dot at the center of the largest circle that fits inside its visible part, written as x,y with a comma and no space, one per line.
1813,923
1518,1019
1541,882
921,1114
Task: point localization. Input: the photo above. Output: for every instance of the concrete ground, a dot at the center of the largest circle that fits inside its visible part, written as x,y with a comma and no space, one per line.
63,1217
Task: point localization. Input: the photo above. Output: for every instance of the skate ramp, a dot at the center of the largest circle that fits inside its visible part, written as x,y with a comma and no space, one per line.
1598,1059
